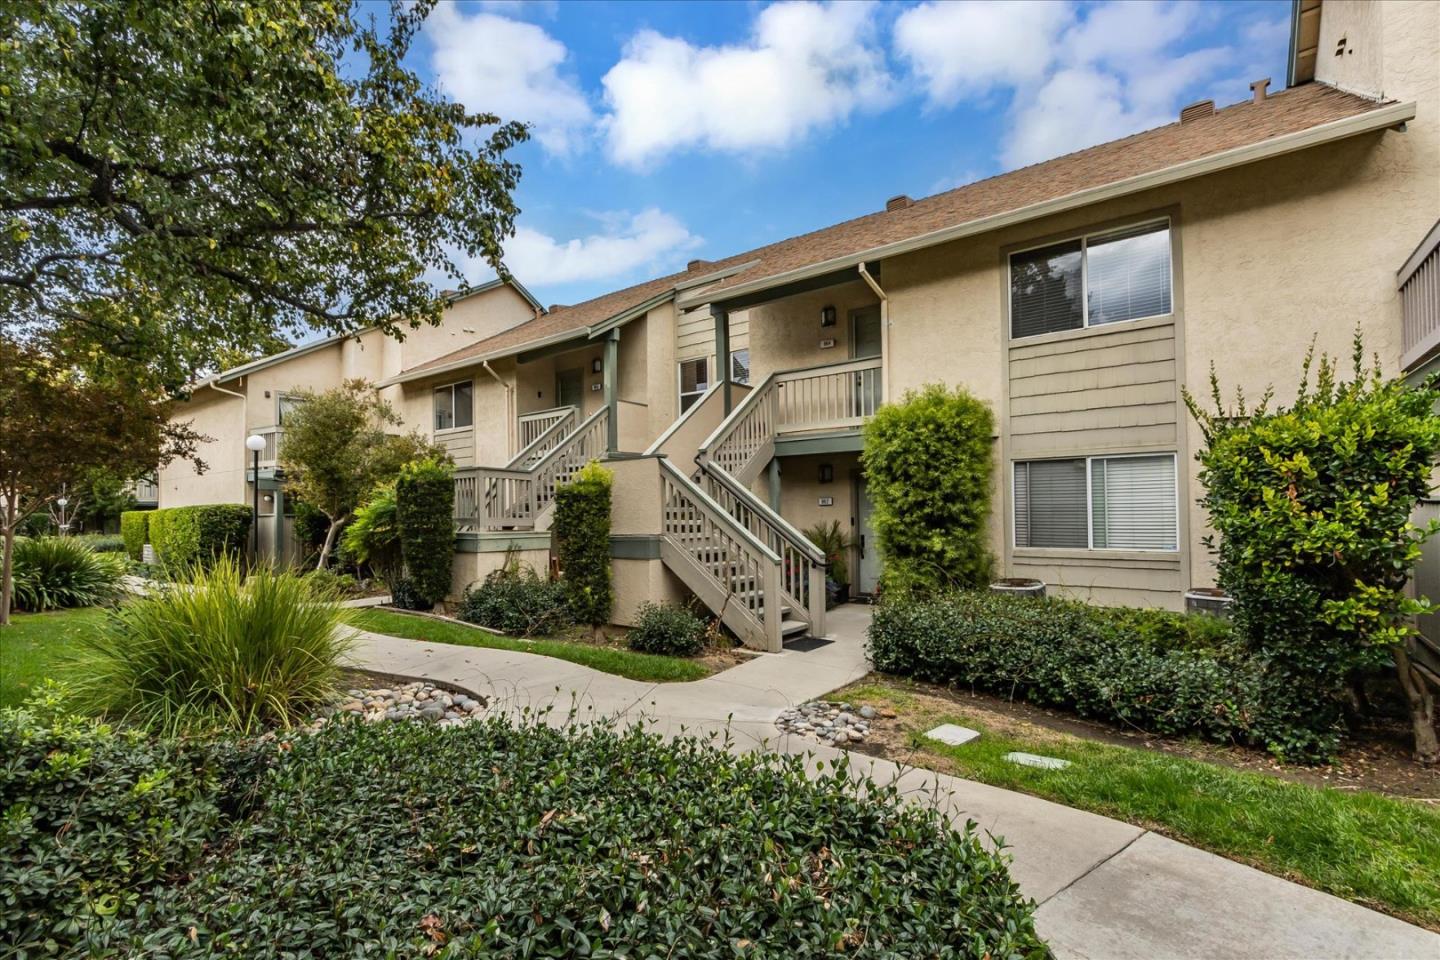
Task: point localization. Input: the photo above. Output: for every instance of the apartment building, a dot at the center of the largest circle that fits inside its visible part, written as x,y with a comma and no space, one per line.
1078,297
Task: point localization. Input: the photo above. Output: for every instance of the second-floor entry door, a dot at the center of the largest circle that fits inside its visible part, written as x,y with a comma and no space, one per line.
865,332
569,387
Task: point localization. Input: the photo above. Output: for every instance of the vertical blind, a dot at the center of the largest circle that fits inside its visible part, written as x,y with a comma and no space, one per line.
1130,503
1104,278
1133,503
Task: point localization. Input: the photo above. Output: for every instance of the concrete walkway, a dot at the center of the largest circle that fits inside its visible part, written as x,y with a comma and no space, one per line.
1105,889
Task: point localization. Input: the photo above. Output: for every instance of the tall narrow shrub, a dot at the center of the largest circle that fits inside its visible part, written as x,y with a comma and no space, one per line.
582,539
1311,507
927,462
425,516
135,531
186,537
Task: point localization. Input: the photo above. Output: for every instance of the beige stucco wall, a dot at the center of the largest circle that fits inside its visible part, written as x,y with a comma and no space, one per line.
471,568
222,419
786,334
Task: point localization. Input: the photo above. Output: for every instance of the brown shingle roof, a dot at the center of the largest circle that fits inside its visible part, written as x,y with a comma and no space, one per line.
1244,124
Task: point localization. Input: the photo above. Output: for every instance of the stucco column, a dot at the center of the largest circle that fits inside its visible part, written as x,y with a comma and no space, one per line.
612,391
722,351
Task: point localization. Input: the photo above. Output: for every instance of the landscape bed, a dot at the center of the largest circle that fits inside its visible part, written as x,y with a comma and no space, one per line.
498,837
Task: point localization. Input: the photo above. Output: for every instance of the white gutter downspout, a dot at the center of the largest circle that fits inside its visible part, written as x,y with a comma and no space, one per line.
509,409
884,332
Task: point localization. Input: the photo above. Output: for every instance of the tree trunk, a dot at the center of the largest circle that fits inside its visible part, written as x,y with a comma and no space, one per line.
329,543
1421,700
7,567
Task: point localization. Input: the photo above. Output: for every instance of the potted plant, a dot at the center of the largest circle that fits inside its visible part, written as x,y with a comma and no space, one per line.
835,544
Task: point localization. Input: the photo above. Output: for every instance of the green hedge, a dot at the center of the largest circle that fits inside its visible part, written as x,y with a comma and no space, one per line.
927,462
425,516
491,839
582,540
135,531
1166,673
185,537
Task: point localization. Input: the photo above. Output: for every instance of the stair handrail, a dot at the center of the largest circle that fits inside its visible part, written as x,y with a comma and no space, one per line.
721,514
530,474
736,414
783,528
530,448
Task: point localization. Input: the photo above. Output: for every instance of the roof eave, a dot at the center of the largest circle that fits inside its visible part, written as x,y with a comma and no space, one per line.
1388,115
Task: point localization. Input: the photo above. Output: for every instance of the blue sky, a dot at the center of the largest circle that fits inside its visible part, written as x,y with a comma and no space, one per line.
669,131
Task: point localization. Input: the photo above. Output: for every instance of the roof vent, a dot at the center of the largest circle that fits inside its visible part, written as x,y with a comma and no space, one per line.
696,263
1259,88
1198,110
898,203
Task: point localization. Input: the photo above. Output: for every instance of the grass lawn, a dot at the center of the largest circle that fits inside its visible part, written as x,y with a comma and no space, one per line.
623,663
34,647
1375,850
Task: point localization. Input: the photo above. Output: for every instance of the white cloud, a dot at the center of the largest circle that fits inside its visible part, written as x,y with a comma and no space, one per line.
807,66
967,48
513,69
1076,75
650,238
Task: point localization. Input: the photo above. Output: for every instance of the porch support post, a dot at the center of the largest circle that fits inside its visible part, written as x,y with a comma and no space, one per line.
774,471
722,351
612,391
280,558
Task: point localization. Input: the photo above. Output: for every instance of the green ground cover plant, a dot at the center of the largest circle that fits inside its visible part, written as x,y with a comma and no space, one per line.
36,647
927,463
224,650
55,572
1380,851
645,667
1162,672
494,839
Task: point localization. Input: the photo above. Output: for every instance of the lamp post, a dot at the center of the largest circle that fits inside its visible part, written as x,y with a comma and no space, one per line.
255,443
62,503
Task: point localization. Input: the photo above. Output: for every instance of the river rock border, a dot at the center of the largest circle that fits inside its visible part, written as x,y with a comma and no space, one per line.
417,700
836,724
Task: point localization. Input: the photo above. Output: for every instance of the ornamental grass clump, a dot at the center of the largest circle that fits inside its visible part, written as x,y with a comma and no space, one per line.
218,651
56,572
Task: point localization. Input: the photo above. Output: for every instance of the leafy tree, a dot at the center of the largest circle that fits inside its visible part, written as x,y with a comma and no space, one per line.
582,540
337,449
1312,505
100,497
55,423
178,180
927,463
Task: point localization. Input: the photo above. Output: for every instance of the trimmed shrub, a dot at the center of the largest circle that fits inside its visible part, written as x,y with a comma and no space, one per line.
1163,672
425,518
582,540
1312,507
55,572
135,531
488,839
186,537
98,818
405,595
226,651
667,629
329,584
927,462
103,542
517,601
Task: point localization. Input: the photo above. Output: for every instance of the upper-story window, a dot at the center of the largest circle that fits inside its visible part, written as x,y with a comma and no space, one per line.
740,366
286,404
1092,280
694,381
454,405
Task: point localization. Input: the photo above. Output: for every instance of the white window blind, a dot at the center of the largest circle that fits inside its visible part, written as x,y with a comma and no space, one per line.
1093,280
1128,503
1133,503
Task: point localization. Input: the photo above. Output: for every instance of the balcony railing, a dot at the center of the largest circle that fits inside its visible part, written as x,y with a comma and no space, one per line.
1419,284
532,425
274,436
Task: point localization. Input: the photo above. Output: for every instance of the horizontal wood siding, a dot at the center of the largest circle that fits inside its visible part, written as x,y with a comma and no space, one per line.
1107,579
695,334
1093,392
460,444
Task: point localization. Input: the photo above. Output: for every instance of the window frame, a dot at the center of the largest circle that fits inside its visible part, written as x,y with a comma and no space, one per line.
680,393
1084,238
1090,504
434,395
281,397
733,355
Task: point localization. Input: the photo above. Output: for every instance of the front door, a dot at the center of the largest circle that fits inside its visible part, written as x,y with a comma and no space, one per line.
868,576
865,332
569,387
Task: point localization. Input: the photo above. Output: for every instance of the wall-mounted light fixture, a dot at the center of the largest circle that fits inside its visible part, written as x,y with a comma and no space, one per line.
827,473
595,365
827,316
